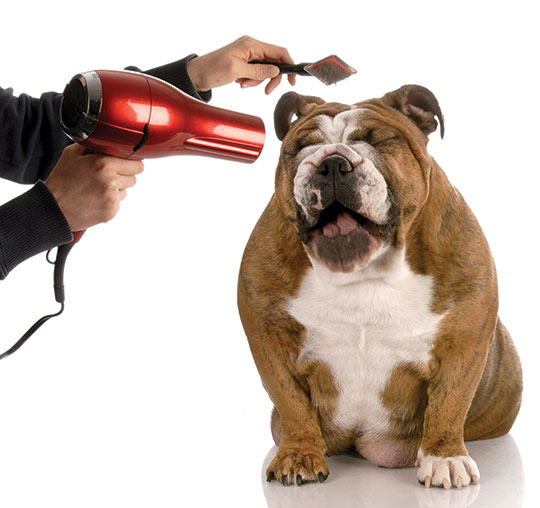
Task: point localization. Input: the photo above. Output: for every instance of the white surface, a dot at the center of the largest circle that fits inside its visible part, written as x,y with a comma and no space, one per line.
144,392
357,483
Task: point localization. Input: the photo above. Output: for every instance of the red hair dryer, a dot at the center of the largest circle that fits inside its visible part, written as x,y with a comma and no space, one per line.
134,115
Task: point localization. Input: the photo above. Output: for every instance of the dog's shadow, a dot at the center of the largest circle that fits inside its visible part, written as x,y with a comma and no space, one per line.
357,483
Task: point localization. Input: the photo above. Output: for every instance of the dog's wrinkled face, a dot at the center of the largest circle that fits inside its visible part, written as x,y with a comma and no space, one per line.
346,209
346,174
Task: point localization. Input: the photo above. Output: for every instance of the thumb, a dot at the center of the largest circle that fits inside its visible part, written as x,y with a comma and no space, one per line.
75,149
260,72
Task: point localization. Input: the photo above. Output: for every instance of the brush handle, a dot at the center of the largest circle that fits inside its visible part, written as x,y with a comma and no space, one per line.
287,68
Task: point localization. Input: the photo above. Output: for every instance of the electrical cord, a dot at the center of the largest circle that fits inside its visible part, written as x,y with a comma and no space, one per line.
58,276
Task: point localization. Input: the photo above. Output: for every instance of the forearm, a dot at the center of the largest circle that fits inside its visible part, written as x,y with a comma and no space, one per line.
29,224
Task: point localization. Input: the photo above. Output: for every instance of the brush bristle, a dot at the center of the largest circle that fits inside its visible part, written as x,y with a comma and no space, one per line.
330,70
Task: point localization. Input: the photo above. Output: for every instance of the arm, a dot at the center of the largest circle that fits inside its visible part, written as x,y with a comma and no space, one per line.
31,139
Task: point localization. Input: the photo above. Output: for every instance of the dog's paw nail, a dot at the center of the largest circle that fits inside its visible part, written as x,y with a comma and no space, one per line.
299,480
427,482
474,479
284,480
322,477
459,484
270,477
446,483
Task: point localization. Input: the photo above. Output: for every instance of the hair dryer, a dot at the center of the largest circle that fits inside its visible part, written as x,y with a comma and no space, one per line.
134,115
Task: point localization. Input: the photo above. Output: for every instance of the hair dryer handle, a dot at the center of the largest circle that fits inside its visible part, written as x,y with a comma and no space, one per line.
77,235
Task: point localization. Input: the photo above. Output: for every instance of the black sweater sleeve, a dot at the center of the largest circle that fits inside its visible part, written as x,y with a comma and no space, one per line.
31,142
176,74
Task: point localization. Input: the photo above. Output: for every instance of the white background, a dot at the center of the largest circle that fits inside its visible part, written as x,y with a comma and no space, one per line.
144,392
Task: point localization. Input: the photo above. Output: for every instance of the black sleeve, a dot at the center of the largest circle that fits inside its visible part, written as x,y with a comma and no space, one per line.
176,74
31,140
29,224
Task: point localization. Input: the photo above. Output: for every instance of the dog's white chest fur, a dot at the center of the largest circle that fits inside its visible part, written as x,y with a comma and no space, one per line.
362,326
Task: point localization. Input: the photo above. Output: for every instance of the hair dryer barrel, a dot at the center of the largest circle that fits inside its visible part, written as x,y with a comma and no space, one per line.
133,115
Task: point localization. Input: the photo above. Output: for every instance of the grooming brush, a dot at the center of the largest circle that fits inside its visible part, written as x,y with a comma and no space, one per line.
329,70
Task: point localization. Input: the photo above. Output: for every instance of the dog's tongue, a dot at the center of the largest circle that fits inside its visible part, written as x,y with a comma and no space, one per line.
343,225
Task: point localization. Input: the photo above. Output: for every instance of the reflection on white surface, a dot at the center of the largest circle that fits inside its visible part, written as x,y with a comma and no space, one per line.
357,483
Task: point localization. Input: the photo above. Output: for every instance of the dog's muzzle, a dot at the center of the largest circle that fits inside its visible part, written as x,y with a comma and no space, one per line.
345,208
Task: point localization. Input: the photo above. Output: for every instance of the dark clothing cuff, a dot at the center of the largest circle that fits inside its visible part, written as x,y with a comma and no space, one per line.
29,224
177,75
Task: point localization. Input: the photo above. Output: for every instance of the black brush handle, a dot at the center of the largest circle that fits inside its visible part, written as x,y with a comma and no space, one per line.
287,68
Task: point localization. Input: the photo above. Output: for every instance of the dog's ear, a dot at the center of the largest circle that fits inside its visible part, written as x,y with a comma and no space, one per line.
289,105
419,104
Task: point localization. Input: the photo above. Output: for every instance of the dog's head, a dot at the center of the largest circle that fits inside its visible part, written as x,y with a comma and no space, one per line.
352,176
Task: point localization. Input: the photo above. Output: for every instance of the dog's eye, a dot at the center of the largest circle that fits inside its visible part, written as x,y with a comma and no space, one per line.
373,137
382,136
380,142
363,134
309,139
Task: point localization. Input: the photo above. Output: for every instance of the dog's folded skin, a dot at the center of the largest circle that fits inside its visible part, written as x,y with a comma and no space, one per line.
369,297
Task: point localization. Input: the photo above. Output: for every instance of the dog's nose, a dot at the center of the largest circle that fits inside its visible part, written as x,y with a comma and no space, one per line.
334,166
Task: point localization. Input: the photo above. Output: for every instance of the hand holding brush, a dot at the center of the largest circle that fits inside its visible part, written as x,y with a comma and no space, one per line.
232,63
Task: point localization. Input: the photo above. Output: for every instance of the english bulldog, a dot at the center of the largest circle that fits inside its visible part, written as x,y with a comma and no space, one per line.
368,294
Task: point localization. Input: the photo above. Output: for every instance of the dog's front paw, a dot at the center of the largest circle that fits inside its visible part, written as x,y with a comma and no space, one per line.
297,465
447,471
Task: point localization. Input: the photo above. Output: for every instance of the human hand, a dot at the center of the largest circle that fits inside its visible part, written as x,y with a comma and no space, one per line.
230,63
89,187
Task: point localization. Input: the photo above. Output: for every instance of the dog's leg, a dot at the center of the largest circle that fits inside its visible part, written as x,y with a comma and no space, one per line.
302,463
301,455
457,367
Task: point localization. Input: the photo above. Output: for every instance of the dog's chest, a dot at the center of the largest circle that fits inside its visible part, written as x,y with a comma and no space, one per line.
362,331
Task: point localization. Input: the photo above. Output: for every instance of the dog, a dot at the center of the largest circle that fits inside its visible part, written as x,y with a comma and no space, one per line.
369,297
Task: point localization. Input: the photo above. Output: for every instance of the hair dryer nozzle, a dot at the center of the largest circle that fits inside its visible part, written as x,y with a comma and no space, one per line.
134,115
81,104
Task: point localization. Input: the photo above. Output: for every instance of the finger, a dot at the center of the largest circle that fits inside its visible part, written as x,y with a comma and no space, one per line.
118,165
271,86
265,51
257,72
129,167
75,149
247,83
122,194
126,182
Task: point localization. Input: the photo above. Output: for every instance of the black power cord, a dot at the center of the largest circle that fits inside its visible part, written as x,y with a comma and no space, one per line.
59,264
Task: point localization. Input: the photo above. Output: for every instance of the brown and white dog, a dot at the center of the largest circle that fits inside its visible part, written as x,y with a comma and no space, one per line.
369,297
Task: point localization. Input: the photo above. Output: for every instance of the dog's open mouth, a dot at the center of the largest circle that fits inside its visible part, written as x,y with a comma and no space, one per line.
337,220
343,239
